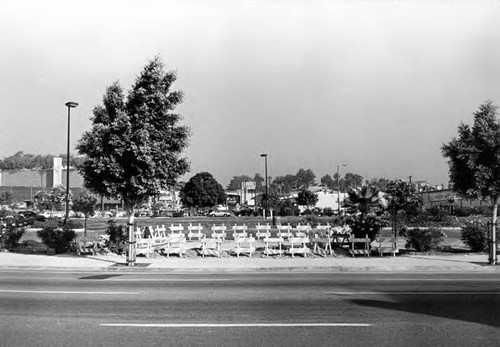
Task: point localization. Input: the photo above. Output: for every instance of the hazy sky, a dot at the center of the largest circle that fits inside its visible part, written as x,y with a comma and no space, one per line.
379,85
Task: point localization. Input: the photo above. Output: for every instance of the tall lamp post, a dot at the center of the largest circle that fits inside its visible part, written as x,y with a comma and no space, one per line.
264,155
338,189
70,105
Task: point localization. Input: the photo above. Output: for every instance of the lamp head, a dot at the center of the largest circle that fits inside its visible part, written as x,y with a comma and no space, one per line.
71,104
263,155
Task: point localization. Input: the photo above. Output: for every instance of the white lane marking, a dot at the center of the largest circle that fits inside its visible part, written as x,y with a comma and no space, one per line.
63,292
159,279
234,325
416,293
440,279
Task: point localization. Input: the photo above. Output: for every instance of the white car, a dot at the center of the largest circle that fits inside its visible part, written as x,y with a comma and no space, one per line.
220,214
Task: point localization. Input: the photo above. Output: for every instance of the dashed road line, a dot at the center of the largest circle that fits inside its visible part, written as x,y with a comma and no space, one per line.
232,325
63,292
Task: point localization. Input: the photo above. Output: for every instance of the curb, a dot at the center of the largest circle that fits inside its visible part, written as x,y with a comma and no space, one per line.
327,269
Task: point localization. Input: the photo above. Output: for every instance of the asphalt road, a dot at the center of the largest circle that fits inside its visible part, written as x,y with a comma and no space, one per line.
248,309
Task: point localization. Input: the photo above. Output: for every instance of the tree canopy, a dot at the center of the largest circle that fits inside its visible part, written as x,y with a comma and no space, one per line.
474,157
52,200
202,190
85,203
134,147
305,178
328,181
474,161
307,198
236,181
402,202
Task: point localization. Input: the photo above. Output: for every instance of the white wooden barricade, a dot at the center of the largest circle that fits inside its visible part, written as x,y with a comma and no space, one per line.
195,231
176,230
359,246
323,235
263,231
386,245
219,231
298,245
210,247
285,231
273,246
302,230
244,245
175,245
239,231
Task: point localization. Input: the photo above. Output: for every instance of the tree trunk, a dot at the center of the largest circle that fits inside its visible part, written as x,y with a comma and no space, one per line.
131,237
85,227
493,237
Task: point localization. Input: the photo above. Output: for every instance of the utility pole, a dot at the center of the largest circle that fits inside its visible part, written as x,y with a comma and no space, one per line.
264,155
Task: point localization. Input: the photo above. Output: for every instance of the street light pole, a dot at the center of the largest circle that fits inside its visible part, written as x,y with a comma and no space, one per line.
267,193
338,189
70,105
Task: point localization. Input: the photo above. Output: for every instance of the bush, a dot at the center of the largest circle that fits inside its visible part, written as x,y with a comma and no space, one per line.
53,223
474,234
57,238
10,236
328,211
423,240
117,232
433,218
307,212
465,211
370,226
485,210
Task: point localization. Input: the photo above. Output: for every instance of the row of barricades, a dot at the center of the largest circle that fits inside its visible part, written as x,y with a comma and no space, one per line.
196,232
302,239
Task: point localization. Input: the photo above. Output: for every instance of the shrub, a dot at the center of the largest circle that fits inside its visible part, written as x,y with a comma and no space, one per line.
10,236
464,211
52,223
485,210
423,240
370,226
328,211
434,217
57,238
474,234
117,232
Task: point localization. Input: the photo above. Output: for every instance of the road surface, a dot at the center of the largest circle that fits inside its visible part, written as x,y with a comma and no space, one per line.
248,309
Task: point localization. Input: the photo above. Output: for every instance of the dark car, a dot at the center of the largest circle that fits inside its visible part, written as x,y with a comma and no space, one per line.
29,217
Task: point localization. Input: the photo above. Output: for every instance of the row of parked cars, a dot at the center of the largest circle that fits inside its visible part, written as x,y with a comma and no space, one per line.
20,218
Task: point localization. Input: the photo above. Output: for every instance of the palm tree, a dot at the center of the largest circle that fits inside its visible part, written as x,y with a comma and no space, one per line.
366,197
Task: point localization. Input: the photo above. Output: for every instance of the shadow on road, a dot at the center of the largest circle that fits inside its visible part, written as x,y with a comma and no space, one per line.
482,309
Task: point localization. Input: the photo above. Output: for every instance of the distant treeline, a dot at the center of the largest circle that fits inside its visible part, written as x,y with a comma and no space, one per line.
21,161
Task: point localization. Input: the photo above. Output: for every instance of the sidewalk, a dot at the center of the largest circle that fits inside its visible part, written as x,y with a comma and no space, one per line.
469,262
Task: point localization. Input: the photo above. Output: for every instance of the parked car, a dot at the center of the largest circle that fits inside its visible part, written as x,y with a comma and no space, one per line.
219,214
29,217
120,214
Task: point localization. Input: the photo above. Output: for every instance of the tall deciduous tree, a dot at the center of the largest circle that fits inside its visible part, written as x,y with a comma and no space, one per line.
259,182
305,178
353,180
402,202
135,145
286,183
85,203
202,190
236,181
307,198
53,200
328,181
474,161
